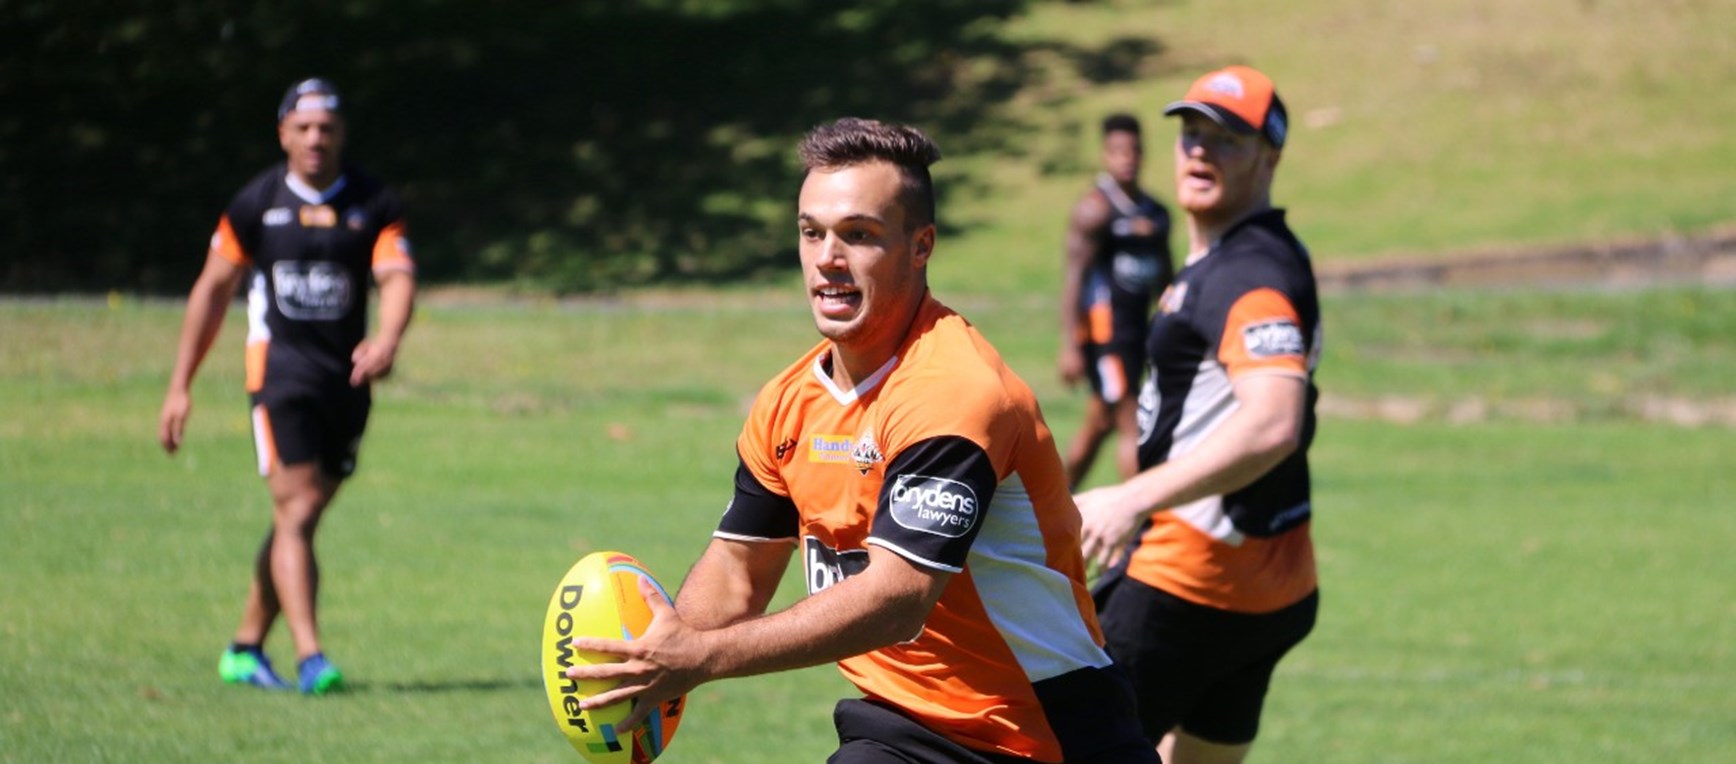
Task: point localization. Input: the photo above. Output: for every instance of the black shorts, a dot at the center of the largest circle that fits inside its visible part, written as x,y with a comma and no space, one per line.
297,427
1113,369
875,733
1200,668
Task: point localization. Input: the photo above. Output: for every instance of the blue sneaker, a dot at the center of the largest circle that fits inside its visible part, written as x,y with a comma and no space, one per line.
249,667
319,676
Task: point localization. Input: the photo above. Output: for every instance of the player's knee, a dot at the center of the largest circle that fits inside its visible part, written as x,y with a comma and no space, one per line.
298,514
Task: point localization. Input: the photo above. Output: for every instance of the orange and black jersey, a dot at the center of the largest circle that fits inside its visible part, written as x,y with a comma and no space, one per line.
312,253
1247,306
942,457
1132,264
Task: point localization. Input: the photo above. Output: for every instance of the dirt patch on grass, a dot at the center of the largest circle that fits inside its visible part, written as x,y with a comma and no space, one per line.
1708,257
1401,409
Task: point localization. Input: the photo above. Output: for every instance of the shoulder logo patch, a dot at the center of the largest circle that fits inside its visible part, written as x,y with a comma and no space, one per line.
1273,338
934,505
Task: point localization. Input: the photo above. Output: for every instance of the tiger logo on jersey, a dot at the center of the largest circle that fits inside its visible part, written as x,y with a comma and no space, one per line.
866,453
1172,298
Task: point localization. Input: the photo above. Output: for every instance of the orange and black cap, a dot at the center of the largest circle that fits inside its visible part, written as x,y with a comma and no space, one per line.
1239,98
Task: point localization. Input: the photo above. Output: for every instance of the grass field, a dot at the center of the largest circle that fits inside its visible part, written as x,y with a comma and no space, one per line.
1524,567
1505,590
1418,128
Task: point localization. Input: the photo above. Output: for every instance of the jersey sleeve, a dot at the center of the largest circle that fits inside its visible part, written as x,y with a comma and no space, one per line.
238,231
933,501
227,245
392,250
1263,333
757,513
392,247
761,508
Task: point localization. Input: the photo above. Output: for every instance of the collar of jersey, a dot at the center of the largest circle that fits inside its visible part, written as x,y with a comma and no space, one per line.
847,397
308,193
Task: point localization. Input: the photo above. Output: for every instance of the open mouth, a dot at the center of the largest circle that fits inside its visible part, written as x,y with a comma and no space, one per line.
1201,177
837,299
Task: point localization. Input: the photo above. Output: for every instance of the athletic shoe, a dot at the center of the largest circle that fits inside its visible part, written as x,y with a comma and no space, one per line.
319,676
248,667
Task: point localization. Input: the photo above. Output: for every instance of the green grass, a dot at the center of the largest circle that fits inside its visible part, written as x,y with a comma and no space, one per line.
1509,590
1419,128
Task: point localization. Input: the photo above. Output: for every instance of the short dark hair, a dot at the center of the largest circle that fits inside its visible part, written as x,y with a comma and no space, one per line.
852,141
1121,122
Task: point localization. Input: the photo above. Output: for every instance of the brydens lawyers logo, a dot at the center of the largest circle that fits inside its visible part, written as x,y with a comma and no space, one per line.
934,505
1273,338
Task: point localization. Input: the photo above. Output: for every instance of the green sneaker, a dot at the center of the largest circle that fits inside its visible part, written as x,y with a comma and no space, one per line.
248,667
319,676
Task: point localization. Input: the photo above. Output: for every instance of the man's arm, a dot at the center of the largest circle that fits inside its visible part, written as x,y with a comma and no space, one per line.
1085,231
1265,428
373,357
207,304
884,604
731,581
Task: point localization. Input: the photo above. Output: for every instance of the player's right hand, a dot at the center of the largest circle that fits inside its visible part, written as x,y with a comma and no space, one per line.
1071,364
172,422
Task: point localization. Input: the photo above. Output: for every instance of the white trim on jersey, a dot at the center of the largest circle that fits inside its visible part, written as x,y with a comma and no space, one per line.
1207,516
1029,603
1210,400
847,397
257,330
912,556
310,194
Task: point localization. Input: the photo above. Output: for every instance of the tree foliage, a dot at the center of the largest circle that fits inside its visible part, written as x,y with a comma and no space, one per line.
579,146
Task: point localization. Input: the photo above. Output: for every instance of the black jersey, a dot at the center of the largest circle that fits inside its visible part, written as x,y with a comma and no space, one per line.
1132,264
312,253
1247,306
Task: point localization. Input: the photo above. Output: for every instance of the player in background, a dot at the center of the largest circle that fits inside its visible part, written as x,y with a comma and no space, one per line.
911,471
1219,580
1118,259
309,232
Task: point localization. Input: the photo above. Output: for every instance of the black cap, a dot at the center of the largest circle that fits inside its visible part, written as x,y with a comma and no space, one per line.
311,93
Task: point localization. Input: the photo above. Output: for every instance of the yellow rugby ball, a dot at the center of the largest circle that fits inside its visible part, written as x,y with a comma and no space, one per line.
599,597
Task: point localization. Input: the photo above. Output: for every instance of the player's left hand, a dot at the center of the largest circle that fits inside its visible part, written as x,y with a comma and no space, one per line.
1108,520
372,359
663,664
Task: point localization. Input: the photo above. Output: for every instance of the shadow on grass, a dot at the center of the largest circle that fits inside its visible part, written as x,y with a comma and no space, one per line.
575,145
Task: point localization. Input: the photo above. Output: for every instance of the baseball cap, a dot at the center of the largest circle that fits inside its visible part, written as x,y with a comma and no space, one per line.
311,93
1239,98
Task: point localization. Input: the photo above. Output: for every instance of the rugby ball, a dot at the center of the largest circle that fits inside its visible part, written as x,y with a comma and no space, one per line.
599,597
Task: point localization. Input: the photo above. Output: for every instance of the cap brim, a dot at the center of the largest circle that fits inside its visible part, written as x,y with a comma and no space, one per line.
1213,112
